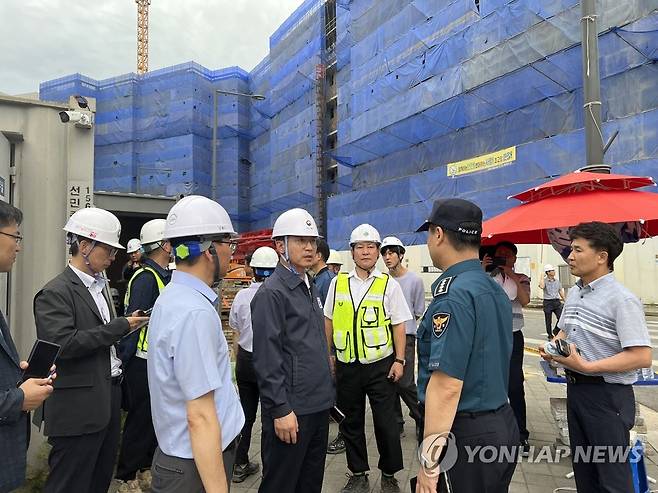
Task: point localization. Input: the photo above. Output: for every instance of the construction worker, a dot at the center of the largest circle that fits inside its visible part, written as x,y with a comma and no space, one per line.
334,262
196,411
263,262
290,359
82,417
464,349
392,251
139,442
364,320
134,251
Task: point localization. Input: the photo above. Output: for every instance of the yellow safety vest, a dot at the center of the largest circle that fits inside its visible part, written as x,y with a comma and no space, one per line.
142,343
362,333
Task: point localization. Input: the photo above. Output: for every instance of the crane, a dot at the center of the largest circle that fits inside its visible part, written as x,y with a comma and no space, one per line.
142,35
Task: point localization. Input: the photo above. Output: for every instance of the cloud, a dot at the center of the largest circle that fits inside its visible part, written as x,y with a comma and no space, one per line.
47,39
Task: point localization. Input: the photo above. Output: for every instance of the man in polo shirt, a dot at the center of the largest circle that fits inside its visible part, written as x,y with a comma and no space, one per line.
604,324
553,298
197,415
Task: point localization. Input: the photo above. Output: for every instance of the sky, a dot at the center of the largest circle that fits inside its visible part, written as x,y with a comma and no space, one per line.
46,39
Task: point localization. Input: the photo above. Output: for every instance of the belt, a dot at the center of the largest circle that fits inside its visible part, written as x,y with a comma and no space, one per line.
575,377
476,414
117,380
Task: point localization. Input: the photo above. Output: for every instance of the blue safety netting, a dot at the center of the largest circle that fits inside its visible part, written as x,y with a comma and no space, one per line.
432,82
420,84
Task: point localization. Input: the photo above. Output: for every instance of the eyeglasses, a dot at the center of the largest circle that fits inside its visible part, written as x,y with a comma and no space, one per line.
232,244
17,237
111,251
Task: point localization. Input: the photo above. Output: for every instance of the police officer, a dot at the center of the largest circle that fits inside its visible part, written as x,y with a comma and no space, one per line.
464,349
262,263
291,363
196,411
144,287
365,321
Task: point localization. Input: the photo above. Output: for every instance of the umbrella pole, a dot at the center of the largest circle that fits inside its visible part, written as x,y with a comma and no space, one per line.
592,86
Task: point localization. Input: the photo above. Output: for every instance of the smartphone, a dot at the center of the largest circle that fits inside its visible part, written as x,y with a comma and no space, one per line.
42,357
562,347
337,415
145,313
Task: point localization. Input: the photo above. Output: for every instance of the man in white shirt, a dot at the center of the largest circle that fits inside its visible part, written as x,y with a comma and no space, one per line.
262,263
517,287
365,317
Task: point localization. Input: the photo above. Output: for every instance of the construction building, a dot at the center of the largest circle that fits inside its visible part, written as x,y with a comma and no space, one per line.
374,108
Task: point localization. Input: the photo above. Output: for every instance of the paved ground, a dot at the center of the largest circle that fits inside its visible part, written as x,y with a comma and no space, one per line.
531,476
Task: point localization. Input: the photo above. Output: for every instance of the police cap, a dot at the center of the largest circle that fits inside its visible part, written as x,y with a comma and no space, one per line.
457,215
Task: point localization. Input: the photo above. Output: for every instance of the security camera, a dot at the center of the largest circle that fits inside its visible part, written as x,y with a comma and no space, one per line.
79,118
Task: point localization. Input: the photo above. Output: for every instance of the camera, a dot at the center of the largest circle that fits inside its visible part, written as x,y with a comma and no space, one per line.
81,119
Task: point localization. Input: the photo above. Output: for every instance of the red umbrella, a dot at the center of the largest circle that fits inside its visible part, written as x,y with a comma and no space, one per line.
581,181
529,222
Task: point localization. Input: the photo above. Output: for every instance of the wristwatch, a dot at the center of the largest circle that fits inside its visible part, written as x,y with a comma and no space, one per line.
401,361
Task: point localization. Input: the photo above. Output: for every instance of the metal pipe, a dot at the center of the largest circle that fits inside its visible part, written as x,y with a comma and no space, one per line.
591,84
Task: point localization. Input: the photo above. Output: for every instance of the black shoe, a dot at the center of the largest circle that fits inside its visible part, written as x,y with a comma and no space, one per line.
243,471
357,484
525,448
390,484
337,445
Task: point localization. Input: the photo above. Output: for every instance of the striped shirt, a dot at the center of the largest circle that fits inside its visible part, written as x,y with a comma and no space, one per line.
602,319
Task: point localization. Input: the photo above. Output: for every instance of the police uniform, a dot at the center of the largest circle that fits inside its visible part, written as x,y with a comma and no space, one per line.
465,334
139,441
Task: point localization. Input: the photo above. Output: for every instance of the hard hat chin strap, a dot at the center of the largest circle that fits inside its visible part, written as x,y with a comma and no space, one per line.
286,256
217,278
85,257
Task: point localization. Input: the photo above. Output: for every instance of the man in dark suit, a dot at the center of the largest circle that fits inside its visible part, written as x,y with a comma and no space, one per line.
82,419
15,402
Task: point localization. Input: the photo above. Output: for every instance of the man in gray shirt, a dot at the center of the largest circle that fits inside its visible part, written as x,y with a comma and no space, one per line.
604,324
393,251
553,298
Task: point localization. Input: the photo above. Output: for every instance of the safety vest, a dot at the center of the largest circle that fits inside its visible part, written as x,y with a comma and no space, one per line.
142,343
361,333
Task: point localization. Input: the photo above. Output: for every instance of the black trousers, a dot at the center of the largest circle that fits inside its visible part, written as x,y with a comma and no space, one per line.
406,386
139,441
176,475
515,390
551,307
476,437
297,468
86,462
249,395
355,381
600,415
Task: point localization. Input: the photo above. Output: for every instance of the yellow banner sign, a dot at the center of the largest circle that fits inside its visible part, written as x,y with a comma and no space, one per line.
481,163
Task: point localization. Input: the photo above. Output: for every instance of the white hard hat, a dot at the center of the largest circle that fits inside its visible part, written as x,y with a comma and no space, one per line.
264,258
133,245
364,232
548,267
390,241
334,258
96,224
295,222
152,232
195,215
